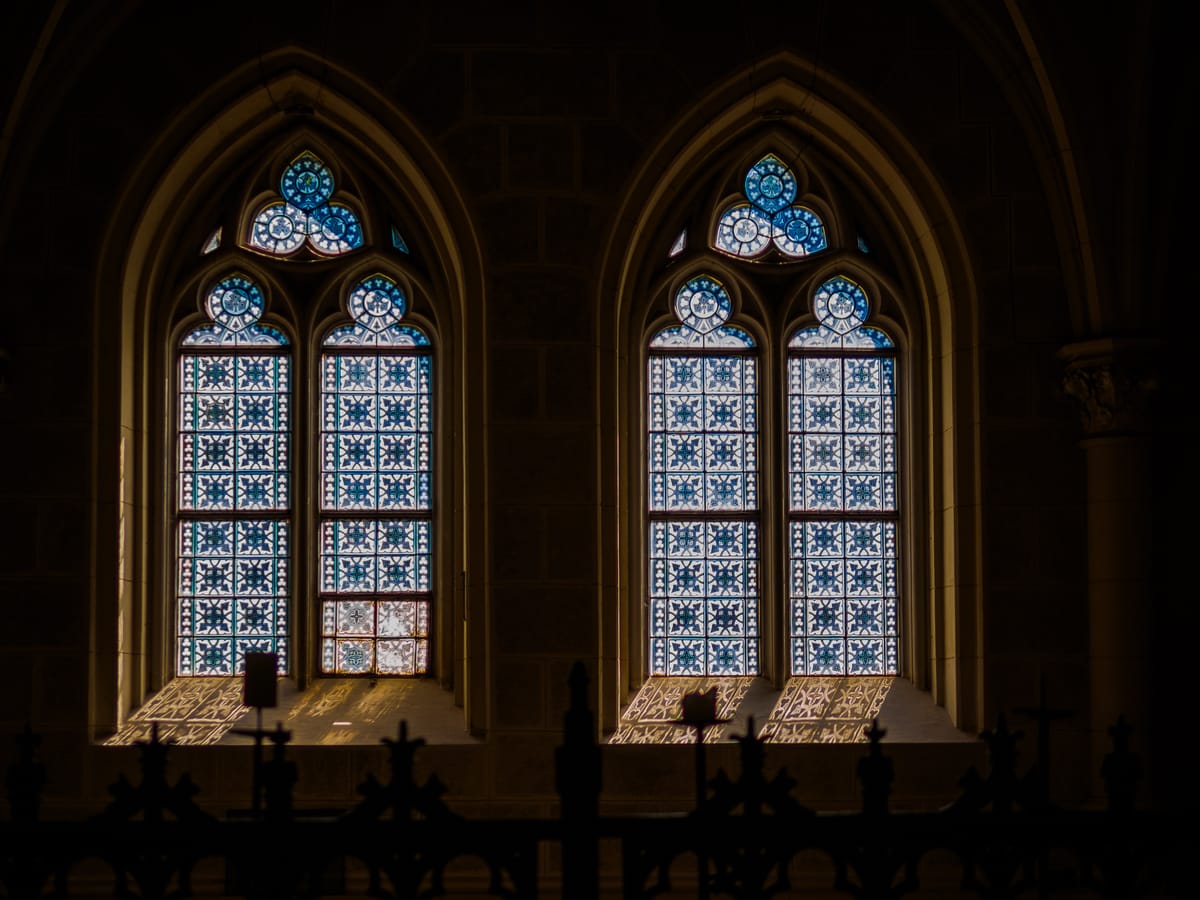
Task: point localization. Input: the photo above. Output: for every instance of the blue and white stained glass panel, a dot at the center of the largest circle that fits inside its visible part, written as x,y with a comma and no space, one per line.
797,231
842,470
360,335
234,431
376,452
376,432
726,337
232,593
363,556
307,182
770,184
703,436
235,304
703,597
371,626
843,597
279,228
335,229
743,230
304,214
862,338
769,217
842,434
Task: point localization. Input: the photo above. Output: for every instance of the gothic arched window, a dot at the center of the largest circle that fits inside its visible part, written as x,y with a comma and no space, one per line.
249,523
703,488
376,491
791,569
842,509
234,438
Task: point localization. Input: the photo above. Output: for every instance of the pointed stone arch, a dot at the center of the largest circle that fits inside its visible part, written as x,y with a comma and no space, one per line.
285,96
793,100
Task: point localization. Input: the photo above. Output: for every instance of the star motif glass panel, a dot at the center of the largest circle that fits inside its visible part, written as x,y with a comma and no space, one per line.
842,490
377,432
703,597
233,444
376,452
233,594
844,597
702,439
234,429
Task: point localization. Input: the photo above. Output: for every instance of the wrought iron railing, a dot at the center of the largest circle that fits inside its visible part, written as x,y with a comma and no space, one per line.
743,839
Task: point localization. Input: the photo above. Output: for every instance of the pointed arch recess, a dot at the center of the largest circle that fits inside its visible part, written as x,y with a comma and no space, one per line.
938,297
242,118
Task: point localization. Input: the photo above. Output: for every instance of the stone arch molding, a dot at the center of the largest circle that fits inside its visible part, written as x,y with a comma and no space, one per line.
813,110
279,97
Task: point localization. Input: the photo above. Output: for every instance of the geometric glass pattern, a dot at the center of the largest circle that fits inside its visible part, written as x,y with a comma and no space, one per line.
768,217
842,490
233,593
702,482
376,489
234,304
233,487
305,214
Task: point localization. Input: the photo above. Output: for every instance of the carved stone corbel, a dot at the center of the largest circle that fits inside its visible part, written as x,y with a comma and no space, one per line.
1115,382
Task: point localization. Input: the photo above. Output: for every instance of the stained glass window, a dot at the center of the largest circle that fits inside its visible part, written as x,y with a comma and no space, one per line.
842,489
305,214
376,488
769,218
233,532
703,489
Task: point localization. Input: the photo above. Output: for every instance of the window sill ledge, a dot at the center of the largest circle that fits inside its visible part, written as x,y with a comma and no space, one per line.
329,712
809,710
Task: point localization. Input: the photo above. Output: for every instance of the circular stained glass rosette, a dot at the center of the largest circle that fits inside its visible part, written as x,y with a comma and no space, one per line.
841,305
798,231
280,228
703,304
236,303
743,231
377,303
307,183
335,229
770,185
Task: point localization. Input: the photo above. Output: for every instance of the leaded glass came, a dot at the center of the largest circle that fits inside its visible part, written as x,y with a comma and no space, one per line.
703,490
233,438
842,491
376,488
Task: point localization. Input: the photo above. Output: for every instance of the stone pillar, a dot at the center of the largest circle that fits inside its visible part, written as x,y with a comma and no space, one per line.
1114,381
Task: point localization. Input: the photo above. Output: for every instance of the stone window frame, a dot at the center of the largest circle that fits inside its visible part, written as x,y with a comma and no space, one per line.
306,312
930,310
193,185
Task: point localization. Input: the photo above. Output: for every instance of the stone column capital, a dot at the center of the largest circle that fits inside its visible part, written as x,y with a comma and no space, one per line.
1115,381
